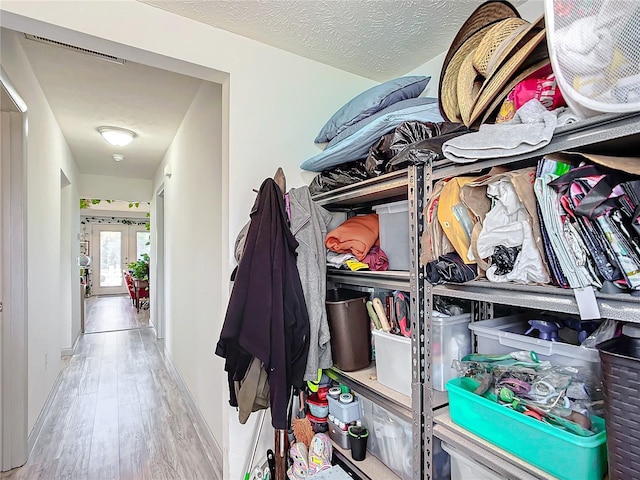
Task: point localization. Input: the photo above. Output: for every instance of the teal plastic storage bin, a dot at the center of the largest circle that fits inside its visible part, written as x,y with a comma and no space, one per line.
562,454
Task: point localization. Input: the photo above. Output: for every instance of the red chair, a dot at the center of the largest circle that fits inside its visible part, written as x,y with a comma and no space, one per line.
141,294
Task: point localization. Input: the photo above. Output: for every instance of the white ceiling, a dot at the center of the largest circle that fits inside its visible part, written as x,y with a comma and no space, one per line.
378,39
86,92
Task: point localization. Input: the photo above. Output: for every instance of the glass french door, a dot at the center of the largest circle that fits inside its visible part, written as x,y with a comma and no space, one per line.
115,246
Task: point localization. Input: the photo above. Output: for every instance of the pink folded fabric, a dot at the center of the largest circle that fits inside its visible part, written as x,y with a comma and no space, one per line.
376,259
357,235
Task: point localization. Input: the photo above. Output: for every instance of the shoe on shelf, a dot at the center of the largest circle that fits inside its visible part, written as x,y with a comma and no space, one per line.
320,453
299,470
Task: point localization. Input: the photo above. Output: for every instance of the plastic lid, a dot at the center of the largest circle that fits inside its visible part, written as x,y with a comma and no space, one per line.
631,330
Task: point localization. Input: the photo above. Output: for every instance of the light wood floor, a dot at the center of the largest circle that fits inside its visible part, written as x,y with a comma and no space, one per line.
106,313
118,414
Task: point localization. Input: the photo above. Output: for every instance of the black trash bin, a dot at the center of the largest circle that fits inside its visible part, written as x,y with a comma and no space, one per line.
349,326
621,378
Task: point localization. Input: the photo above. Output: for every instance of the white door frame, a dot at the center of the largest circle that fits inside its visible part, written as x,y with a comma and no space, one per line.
158,304
96,289
13,393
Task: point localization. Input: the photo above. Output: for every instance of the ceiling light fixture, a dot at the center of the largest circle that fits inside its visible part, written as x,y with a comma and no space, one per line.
118,137
118,157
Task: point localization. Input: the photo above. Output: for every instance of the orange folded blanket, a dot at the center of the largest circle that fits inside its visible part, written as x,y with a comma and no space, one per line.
356,235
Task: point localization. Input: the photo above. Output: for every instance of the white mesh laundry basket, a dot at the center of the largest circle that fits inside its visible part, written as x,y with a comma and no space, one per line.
594,46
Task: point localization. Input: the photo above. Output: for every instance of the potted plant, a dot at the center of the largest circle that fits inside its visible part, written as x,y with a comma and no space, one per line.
140,268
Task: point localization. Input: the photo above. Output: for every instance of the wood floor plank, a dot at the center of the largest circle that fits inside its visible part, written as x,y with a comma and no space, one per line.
132,443
118,414
90,376
162,445
113,312
75,447
108,378
104,461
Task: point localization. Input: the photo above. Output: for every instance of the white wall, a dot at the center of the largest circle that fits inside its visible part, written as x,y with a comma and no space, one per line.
277,101
273,103
115,188
69,273
193,242
49,328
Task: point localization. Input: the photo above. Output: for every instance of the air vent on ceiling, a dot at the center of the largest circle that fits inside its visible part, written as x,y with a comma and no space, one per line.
104,56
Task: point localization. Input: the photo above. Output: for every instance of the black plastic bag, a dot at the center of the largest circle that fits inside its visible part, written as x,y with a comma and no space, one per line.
450,268
339,176
504,258
411,143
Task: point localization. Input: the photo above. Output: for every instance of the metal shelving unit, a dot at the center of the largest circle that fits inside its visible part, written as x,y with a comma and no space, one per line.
621,306
405,184
605,134
426,408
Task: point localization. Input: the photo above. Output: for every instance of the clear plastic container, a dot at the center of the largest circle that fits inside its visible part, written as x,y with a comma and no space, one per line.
451,340
464,468
393,219
341,437
506,334
393,361
390,438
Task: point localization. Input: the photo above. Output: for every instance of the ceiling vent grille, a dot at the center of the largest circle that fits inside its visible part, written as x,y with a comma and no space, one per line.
103,56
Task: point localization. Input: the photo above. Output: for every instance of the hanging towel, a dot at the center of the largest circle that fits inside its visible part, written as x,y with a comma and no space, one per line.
357,235
530,129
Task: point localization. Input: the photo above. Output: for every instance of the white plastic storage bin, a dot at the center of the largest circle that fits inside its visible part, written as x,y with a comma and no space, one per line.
506,334
393,361
393,219
464,468
451,340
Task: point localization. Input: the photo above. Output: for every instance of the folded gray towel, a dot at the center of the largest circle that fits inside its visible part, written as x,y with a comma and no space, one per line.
530,129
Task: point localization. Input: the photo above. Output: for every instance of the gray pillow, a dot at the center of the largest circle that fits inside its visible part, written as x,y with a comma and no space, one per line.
402,105
356,146
372,101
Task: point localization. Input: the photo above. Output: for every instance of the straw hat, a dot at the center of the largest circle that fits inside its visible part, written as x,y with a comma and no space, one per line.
483,62
500,60
465,40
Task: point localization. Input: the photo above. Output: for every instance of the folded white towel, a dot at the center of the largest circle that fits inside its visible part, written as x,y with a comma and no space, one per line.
530,129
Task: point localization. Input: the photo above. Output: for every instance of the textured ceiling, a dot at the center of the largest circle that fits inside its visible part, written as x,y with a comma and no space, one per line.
86,92
377,39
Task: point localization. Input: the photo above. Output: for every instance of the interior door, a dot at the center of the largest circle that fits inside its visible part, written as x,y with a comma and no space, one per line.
110,257
115,247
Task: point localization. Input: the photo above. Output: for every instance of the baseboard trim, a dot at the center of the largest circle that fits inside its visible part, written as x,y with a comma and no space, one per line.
207,438
67,352
37,428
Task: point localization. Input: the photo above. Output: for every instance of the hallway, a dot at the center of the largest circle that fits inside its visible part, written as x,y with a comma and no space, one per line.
118,414
105,313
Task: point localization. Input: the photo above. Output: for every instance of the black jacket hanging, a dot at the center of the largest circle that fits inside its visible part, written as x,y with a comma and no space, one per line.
267,316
